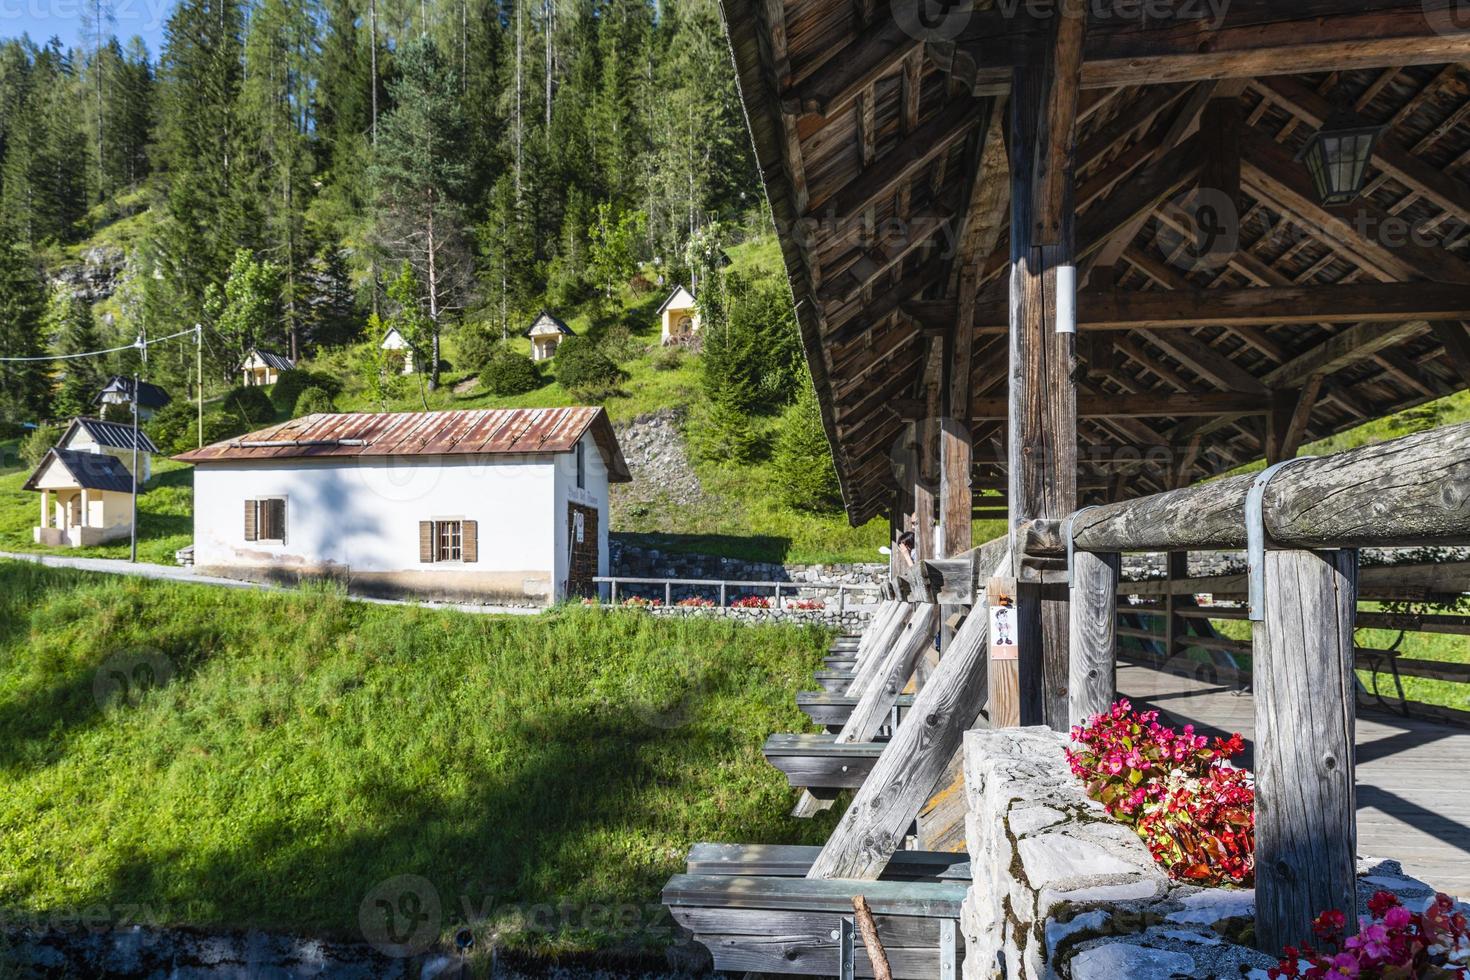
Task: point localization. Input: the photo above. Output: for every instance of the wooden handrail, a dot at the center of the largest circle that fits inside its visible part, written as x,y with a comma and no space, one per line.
1407,492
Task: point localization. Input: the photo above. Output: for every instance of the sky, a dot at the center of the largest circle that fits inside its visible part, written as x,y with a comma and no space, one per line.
42,19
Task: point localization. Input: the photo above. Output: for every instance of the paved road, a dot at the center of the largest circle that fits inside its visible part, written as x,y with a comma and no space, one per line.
184,573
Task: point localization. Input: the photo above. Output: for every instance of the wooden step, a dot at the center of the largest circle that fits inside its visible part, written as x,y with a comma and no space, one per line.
819,762
795,860
843,663
834,680
826,708
791,925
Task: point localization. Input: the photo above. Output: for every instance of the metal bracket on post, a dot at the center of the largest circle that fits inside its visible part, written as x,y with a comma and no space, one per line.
1067,537
1255,537
845,949
949,967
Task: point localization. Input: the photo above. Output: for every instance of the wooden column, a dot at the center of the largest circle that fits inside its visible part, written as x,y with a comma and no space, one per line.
1306,829
1042,478
45,508
956,448
1094,634
1176,567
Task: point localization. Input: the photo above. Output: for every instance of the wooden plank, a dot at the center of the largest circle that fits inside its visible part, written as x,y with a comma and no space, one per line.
901,630
1093,635
1306,836
795,860
814,954
920,898
1253,38
879,694
1206,404
913,761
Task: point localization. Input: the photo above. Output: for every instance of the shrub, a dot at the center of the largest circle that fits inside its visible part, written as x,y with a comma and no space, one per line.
35,446
668,358
509,373
174,428
477,345
1392,942
1194,810
291,384
314,400
585,370
803,459
250,405
619,344
218,425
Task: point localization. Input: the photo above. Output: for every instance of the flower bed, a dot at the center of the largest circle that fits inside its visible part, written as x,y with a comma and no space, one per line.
751,602
695,602
806,605
1391,943
1192,807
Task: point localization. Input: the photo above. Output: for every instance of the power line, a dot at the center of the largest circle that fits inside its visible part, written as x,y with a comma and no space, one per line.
139,344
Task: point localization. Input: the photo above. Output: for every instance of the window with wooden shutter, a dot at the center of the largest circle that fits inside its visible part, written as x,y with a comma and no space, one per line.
270,521
426,541
470,546
251,513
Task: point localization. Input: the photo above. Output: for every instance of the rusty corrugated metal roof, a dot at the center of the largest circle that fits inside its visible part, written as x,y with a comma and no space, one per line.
490,431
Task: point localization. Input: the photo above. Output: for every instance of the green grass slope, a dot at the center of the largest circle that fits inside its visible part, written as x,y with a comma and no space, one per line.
304,748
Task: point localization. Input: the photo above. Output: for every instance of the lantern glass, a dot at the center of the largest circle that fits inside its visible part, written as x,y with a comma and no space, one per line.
1337,158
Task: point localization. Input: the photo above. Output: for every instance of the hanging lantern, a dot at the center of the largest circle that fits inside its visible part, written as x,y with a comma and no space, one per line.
1337,156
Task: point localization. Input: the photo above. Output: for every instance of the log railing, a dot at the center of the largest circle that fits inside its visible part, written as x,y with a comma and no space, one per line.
1314,514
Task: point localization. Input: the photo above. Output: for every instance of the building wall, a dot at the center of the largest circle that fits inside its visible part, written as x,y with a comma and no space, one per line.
595,495
359,520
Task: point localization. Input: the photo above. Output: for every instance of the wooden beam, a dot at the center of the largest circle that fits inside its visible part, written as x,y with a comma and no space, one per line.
1204,360
847,203
1042,407
1456,343
1352,345
1252,39
1305,693
1094,639
1192,307
1144,405
1301,416
880,50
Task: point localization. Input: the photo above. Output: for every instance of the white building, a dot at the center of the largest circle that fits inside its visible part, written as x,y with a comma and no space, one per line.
264,367
494,505
398,348
546,333
119,391
680,316
86,484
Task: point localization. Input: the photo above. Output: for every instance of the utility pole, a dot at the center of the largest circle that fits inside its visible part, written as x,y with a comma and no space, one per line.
133,530
199,370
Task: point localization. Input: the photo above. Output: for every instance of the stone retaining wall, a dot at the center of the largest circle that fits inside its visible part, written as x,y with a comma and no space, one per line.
636,561
851,620
1062,890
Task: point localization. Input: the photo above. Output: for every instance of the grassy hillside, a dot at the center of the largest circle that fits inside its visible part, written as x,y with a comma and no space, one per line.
300,749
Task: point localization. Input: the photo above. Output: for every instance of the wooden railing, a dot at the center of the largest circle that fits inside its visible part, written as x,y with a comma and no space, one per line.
722,588
1303,593
1313,514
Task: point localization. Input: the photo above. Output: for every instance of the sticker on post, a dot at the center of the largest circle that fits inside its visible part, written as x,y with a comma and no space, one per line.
1001,603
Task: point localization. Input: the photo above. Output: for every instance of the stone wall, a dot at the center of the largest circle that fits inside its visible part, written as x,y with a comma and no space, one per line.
637,561
851,620
1062,890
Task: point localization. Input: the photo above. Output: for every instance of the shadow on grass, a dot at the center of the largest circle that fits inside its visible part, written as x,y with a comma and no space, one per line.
510,854
753,547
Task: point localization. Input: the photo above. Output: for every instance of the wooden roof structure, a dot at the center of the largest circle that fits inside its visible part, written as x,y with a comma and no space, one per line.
887,148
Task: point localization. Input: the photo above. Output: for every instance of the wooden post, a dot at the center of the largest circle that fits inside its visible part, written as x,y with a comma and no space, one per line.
45,508
1306,828
956,448
1176,565
1094,635
1042,469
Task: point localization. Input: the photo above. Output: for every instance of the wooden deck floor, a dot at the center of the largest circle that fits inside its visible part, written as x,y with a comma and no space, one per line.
1413,776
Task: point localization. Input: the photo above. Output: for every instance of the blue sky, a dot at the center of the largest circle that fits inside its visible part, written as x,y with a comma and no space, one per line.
64,19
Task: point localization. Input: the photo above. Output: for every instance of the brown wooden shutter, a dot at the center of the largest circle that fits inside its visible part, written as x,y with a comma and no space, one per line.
426,540
250,515
469,546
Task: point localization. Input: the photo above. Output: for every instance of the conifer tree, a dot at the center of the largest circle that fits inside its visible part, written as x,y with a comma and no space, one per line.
74,329
23,386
